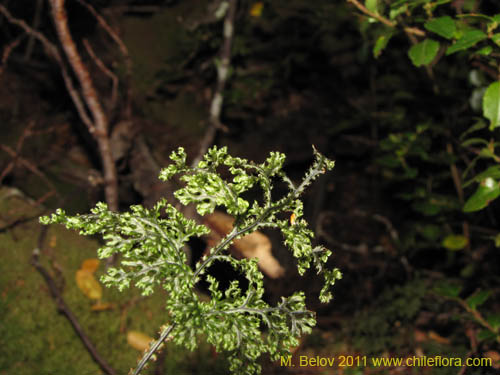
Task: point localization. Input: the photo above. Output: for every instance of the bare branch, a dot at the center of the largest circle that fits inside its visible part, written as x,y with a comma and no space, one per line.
64,309
89,94
222,74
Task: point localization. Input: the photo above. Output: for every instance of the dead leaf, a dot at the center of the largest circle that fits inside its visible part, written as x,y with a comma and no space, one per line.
420,336
88,284
102,306
90,265
495,358
138,340
253,245
436,337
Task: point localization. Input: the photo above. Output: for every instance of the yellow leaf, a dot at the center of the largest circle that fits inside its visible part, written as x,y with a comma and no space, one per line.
256,9
138,340
88,284
90,265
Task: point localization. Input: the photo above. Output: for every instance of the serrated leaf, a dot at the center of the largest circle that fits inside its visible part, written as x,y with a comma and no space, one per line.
477,299
468,39
455,242
491,104
443,26
487,191
423,53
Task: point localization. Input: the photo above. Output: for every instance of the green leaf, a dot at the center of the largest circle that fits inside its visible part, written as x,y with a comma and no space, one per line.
381,43
443,26
430,232
468,39
491,104
496,39
485,51
448,290
477,299
423,53
493,172
372,5
487,191
494,321
455,242
485,334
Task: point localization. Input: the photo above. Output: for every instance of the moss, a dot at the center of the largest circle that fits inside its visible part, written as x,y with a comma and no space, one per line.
35,338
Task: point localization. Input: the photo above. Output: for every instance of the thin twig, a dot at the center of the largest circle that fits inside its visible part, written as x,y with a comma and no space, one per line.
123,49
36,24
385,21
64,309
7,51
106,71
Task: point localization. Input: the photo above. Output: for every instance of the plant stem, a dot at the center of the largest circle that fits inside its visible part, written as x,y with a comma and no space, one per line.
153,349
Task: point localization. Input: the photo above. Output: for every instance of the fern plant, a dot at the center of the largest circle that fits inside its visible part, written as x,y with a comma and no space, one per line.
237,321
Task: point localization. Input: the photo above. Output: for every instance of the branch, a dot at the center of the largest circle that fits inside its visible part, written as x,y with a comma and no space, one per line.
64,309
222,74
89,94
384,20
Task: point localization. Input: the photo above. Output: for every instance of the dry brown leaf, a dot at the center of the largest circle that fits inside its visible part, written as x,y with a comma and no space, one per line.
88,284
495,358
90,265
420,336
102,306
253,245
436,337
138,340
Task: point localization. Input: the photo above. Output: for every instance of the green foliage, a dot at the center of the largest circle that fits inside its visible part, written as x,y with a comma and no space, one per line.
447,169
151,243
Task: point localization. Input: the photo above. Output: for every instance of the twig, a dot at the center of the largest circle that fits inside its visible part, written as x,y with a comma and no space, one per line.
64,309
222,74
27,165
36,24
7,51
106,71
385,21
123,49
